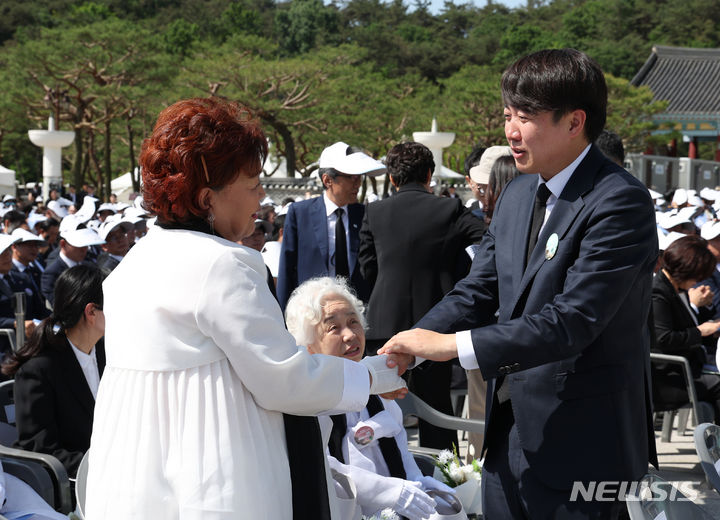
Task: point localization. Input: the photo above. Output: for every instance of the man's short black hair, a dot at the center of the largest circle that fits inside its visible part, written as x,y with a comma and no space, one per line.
473,158
13,219
612,146
558,81
409,162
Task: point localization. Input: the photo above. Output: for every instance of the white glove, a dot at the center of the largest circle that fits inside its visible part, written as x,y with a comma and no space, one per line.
384,379
383,425
429,483
413,502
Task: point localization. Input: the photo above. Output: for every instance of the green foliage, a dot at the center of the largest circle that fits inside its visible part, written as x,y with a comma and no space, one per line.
369,72
88,13
179,37
303,24
630,112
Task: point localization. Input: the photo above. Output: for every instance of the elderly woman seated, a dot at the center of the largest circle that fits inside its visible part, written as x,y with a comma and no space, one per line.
368,446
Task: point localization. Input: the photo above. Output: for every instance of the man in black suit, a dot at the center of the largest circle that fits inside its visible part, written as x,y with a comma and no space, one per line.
412,251
73,250
25,252
12,282
568,358
114,231
311,245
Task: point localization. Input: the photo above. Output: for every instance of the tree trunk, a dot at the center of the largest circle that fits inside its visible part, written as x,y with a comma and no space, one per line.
131,150
77,173
288,142
107,165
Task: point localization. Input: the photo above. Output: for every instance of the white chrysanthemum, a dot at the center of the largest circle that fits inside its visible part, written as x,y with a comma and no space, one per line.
445,456
456,473
467,471
388,514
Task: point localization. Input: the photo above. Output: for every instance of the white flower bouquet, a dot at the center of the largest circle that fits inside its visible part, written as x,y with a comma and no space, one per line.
385,514
464,478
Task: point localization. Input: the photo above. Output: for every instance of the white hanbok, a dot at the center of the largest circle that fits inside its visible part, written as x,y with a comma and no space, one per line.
188,420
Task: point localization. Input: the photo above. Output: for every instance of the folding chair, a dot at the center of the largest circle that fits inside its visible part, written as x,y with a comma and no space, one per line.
413,405
10,333
702,411
44,473
656,499
8,430
707,445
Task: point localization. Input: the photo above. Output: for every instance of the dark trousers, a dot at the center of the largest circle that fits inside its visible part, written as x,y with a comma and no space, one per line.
511,490
669,391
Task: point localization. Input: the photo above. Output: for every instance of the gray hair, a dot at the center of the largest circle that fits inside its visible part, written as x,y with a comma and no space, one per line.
304,308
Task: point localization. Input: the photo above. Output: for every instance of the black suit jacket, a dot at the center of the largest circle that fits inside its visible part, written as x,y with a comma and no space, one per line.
35,308
50,276
572,339
675,330
412,252
54,405
107,262
304,252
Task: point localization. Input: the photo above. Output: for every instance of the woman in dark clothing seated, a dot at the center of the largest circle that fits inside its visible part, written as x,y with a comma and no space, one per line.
58,370
679,328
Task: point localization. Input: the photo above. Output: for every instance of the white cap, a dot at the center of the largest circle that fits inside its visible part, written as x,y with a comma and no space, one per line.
480,173
135,212
111,223
710,230
23,235
57,208
70,223
665,240
284,209
680,196
107,206
34,218
121,206
338,157
82,238
8,197
696,201
709,194
6,241
267,201
137,202
654,194
87,210
689,212
672,219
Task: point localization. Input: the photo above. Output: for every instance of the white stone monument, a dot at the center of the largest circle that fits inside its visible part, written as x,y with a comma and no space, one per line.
436,142
52,142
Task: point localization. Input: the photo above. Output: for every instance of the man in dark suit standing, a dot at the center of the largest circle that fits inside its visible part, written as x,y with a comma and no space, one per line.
412,251
73,250
568,359
322,235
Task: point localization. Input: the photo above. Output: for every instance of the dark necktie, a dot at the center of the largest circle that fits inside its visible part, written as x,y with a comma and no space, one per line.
341,259
541,197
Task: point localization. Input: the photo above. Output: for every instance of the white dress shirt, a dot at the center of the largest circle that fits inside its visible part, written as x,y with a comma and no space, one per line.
88,363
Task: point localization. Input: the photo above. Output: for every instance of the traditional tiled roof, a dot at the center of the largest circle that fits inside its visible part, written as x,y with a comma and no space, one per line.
688,78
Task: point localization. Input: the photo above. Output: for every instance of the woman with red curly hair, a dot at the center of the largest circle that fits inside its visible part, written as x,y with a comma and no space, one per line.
200,370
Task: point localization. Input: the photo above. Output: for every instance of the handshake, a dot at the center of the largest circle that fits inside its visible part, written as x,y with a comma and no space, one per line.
399,353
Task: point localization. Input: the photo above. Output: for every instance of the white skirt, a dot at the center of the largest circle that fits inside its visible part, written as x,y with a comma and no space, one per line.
188,444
